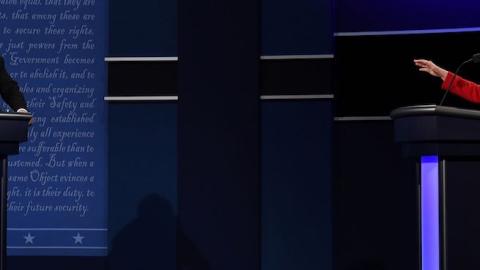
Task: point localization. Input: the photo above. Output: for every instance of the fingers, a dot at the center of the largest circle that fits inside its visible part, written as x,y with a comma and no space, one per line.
430,71
429,67
423,63
427,70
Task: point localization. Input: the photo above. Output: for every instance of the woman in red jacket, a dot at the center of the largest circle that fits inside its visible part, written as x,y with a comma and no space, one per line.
458,85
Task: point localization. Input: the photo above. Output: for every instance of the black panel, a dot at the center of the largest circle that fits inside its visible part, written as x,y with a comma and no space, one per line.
277,77
375,200
218,134
296,77
56,263
375,74
142,78
463,221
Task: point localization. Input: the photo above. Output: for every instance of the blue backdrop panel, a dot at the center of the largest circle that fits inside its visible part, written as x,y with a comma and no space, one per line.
57,194
143,28
374,15
297,27
296,185
143,185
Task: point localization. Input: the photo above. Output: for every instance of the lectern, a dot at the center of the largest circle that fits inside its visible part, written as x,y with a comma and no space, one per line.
445,143
13,131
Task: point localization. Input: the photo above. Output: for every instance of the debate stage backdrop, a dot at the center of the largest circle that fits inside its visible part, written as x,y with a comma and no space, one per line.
57,186
358,241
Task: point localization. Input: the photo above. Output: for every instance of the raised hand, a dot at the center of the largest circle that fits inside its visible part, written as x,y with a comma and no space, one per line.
430,68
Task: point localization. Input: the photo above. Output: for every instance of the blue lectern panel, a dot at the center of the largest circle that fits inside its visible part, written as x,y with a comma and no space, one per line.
57,186
430,213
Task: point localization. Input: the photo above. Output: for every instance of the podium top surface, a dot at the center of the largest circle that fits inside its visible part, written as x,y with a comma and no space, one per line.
419,110
15,116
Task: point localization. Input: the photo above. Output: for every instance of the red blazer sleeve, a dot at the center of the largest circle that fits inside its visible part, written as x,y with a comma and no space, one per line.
461,87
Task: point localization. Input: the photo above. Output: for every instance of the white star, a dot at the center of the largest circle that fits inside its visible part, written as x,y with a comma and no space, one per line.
29,238
78,239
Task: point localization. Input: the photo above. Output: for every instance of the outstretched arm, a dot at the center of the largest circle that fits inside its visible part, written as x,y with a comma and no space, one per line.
458,85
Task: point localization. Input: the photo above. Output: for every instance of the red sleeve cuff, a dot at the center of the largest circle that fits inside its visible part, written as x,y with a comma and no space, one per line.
448,81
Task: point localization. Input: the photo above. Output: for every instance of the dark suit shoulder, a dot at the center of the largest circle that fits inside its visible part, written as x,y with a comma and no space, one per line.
9,89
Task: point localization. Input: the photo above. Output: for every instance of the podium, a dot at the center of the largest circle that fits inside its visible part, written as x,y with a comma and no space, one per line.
13,131
445,144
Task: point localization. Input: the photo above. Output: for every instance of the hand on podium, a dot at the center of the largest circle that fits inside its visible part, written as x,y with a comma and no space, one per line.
22,110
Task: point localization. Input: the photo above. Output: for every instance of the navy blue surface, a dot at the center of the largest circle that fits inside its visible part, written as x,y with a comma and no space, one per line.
142,185
297,27
143,28
296,185
149,28
374,15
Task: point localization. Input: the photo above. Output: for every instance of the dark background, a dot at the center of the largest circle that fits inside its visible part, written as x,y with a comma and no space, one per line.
332,193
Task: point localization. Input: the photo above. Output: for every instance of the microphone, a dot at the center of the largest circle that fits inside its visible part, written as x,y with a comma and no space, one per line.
475,59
